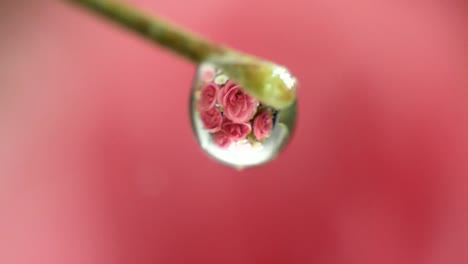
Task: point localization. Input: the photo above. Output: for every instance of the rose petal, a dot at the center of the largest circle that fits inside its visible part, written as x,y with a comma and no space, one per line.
263,125
212,119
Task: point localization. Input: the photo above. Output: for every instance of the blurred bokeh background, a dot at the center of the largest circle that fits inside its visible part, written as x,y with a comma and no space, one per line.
98,162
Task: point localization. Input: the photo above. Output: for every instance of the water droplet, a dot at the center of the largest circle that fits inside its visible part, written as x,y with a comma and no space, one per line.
234,127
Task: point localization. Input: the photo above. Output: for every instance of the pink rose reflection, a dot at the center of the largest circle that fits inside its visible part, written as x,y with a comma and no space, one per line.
237,131
222,139
263,125
208,96
239,107
212,119
207,74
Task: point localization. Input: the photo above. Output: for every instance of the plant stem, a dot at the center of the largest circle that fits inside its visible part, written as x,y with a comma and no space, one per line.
186,44
268,82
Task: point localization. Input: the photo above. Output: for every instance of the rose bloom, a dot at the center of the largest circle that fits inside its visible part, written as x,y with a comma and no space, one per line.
207,73
222,139
212,119
263,125
239,107
237,131
208,96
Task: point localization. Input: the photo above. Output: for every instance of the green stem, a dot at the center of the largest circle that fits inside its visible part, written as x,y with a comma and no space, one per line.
268,82
184,43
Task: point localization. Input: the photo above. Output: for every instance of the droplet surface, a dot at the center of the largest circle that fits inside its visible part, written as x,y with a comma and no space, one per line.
232,126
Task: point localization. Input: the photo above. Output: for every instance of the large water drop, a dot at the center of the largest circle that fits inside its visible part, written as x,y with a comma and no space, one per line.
234,127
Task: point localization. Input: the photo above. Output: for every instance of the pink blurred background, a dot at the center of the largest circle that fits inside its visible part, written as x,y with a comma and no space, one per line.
98,162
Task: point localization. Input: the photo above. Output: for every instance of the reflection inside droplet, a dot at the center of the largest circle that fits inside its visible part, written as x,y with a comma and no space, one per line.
234,127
